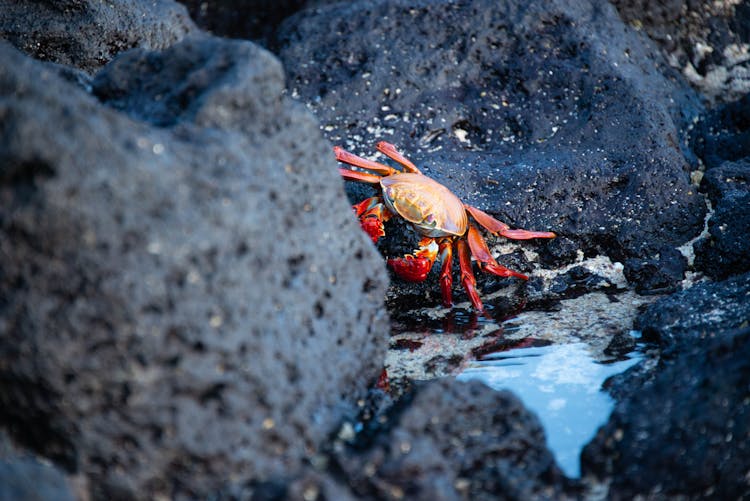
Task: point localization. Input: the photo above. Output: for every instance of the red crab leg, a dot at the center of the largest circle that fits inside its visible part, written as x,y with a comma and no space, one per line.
350,158
486,262
414,268
372,213
390,150
363,177
467,276
500,228
446,277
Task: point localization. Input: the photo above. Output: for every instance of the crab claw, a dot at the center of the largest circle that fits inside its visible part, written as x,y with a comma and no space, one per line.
373,227
410,268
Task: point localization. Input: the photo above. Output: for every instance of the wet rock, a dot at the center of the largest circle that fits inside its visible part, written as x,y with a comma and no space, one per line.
657,276
183,306
577,281
454,440
726,250
620,345
685,434
87,34
550,116
701,312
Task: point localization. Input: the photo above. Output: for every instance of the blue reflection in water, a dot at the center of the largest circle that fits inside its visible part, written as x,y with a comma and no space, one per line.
562,385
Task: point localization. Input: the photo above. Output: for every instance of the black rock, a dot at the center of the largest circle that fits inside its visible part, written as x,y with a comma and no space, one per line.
182,307
87,34
723,134
699,38
701,312
685,434
621,344
256,20
550,116
657,276
726,250
455,440
577,281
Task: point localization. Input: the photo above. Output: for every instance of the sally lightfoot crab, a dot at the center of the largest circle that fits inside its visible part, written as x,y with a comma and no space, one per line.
437,215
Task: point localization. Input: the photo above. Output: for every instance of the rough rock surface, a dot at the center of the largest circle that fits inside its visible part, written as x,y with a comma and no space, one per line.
726,249
657,276
701,312
549,115
176,299
256,20
455,440
706,41
723,134
87,34
686,433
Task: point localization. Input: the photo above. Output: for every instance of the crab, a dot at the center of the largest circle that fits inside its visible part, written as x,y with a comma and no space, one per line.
436,214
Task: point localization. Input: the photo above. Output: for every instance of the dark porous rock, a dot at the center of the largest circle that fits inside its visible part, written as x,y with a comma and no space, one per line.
181,307
723,134
657,276
577,281
704,40
87,34
700,312
455,440
726,249
621,344
549,115
256,20
686,433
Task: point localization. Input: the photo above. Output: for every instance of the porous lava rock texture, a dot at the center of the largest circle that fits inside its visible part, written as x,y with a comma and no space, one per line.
87,34
455,440
549,115
700,312
256,20
187,306
706,41
722,140
685,434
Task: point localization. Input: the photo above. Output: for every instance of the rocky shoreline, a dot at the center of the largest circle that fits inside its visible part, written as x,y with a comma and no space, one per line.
189,310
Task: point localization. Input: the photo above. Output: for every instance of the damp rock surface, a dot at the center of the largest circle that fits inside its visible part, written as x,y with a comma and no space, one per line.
178,293
456,440
692,416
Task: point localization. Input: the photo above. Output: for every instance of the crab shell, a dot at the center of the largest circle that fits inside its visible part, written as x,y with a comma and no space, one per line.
431,207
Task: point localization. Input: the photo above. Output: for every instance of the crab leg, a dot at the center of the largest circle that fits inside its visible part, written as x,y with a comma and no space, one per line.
486,262
467,276
364,177
372,212
500,228
390,150
350,158
415,267
446,277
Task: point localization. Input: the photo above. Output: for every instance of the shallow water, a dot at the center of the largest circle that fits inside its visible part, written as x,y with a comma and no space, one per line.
562,384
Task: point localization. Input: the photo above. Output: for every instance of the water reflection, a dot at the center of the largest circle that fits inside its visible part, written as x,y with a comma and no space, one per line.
561,383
